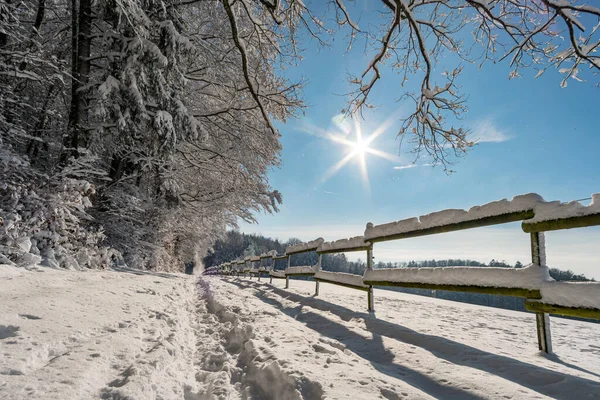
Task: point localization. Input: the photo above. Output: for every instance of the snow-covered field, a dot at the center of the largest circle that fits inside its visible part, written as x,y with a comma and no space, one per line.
125,335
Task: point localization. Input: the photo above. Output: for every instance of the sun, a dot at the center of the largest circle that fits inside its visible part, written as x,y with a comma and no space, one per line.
361,147
358,148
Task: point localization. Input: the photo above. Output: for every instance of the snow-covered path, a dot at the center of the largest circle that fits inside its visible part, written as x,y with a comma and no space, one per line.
125,335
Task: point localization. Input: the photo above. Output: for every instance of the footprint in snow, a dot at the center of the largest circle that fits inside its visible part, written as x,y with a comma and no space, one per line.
29,316
389,394
321,349
146,291
11,372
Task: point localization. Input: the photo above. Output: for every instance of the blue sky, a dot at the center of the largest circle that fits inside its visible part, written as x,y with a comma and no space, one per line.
534,137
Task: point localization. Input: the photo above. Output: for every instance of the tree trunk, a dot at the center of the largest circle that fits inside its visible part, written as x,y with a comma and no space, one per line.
34,145
39,16
81,20
37,24
4,17
114,173
73,115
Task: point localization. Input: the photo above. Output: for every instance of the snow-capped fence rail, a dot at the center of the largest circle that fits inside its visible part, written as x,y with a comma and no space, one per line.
343,279
246,266
497,212
239,267
531,282
263,258
273,274
253,266
543,295
305,270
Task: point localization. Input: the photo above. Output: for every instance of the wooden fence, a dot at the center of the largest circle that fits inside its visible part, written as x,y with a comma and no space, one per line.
543,295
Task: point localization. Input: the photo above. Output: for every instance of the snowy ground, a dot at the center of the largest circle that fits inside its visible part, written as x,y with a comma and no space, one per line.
122,335
85,335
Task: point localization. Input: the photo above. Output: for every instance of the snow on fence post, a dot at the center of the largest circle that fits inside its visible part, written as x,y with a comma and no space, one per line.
240,267
259,267
538,257
262,265
305,270
247,266
370,301
273,273
254,269
352,281
272,269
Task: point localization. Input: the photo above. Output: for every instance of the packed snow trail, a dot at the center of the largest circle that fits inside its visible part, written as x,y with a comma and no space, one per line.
140,335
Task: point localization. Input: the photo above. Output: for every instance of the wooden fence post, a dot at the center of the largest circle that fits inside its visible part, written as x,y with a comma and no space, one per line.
287,278
370,302
538,256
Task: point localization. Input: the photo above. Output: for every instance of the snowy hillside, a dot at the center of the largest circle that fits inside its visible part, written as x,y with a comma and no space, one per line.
135,335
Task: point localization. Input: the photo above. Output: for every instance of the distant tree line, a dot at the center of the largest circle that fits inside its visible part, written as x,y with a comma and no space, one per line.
235,245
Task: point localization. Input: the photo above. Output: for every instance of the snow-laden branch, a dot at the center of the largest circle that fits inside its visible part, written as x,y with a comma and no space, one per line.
244,60
417,33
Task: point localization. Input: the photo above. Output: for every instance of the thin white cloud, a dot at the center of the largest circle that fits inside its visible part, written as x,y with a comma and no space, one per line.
343,123
486,131
409,166
325,191
405,166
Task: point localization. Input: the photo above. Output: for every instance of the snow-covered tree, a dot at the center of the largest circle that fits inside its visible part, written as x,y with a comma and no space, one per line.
161,121
187,140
